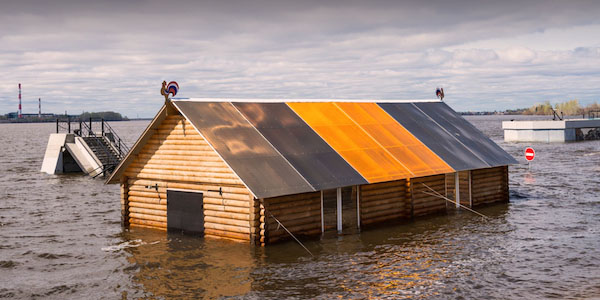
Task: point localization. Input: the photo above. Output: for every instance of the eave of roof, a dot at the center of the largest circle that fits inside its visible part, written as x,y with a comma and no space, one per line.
278,100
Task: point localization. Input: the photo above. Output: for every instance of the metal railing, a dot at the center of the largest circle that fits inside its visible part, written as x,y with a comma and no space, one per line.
113,151
85,129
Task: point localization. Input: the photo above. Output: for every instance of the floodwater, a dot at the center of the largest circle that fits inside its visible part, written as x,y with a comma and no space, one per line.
60,237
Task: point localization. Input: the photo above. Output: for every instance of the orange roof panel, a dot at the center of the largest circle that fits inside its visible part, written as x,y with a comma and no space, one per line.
395,139
353,143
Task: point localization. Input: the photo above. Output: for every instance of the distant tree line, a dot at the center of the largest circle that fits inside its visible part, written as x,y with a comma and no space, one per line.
106,115
569,108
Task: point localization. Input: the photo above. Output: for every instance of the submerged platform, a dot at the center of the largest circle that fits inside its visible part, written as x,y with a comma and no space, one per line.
551,131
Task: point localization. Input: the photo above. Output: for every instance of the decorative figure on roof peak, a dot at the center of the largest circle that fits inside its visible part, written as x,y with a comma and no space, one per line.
439,92
167,89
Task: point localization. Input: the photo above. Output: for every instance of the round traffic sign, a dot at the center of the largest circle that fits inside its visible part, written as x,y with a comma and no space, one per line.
529,154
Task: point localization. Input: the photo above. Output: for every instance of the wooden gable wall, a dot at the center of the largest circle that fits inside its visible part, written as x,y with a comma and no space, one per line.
177,157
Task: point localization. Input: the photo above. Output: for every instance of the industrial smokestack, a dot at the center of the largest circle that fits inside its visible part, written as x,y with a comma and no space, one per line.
20,112
40,108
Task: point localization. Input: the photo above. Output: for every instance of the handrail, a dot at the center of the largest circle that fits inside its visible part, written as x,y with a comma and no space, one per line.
85,129
114,150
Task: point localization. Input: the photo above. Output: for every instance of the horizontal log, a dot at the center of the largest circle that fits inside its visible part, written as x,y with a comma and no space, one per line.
490,183
426,198
162,193
185,153
142,156
237,189
156,224
486,174
176,132
392,197
296,215
190,179
153,141
147,211
432,178
489,178
382,213
227,216
389,206
382,185
227,234
164,136
218,226
376,202
197,174
148,205
147,217
297,229
225,208
181,162
156,145
293,210
154,201
303,203
293,198
314,220
175,168
427,204
226,202
226,221
483,193
387,190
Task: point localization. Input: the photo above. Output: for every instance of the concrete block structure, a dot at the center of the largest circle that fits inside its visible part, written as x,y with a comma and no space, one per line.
549,131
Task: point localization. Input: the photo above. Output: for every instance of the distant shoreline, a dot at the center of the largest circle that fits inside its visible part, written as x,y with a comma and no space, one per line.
21,121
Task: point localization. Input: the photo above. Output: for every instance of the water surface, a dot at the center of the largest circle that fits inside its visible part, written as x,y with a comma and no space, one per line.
60,237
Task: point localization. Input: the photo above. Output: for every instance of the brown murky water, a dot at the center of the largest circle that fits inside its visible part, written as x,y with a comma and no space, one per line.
60,237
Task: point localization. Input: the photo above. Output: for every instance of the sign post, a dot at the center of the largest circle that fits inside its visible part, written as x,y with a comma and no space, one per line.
529,155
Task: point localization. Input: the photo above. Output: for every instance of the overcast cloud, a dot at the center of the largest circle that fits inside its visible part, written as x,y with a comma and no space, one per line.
488,55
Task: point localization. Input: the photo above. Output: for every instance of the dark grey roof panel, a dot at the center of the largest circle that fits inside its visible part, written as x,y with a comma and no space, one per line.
467,134
265,171
433,136
310,155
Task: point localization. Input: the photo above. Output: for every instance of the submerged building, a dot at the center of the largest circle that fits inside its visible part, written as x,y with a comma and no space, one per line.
242,169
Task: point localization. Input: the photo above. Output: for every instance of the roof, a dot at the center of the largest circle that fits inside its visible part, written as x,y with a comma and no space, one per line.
281,148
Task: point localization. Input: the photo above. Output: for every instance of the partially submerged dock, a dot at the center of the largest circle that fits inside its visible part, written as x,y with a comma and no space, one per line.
82,149
550,131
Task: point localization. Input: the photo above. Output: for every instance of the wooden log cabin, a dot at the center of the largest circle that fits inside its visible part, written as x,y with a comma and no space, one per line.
237,169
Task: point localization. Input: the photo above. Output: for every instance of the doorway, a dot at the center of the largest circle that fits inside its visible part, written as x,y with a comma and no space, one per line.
185,211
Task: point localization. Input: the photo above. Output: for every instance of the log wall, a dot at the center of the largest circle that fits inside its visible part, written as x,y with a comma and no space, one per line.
489,185
177,157
384,201
300,214
422,203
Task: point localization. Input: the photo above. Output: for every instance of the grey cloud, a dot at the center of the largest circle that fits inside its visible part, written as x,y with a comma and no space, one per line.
113,55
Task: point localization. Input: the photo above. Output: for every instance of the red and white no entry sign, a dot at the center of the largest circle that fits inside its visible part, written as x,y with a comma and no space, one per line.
529,153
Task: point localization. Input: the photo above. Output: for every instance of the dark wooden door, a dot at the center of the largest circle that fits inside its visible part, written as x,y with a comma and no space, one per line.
184,211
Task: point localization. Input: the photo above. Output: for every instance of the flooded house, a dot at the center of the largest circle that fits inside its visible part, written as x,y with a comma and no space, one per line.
249,170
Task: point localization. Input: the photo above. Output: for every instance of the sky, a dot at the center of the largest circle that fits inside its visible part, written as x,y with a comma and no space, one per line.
113,55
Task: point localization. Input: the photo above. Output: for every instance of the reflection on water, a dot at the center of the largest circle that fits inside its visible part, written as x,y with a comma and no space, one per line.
60,237
187,267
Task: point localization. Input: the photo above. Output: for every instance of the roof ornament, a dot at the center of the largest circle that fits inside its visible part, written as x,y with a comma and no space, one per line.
167,89
439,92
